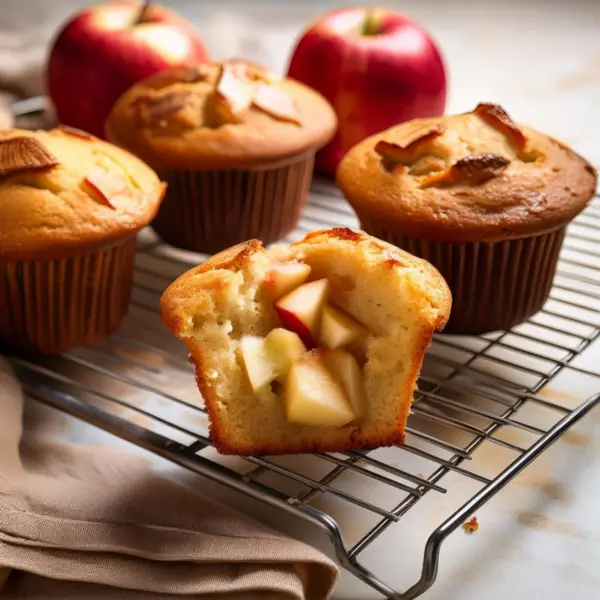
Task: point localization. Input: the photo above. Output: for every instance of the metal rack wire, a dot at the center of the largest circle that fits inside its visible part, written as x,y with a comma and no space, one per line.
139,386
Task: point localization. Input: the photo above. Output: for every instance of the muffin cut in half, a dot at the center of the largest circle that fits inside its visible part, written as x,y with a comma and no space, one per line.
315,346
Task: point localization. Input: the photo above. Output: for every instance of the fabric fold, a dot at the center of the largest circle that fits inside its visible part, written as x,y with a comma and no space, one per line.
95,516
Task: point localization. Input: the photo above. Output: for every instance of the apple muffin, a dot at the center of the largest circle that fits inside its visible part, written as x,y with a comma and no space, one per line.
235,144
70,208
483,199
315,346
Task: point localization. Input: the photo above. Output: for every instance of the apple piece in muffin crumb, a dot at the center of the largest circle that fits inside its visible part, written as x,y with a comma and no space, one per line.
20,153
338,328
314,396
283,277
105,186
300,310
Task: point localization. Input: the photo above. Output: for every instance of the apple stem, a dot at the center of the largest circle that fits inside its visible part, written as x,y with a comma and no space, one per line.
370,25
141,18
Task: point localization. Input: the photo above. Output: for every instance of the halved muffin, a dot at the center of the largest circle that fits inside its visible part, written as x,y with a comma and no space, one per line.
315,346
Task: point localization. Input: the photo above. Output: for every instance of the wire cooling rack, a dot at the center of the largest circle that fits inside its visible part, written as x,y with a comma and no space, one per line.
473,391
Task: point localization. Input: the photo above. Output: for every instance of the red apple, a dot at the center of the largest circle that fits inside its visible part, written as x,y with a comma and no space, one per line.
300,311
105,49
376,67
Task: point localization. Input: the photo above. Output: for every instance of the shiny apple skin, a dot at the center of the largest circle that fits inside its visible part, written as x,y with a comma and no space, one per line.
373,82
91,63
290,321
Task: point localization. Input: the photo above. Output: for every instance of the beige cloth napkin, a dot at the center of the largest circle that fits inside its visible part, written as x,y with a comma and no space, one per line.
93,522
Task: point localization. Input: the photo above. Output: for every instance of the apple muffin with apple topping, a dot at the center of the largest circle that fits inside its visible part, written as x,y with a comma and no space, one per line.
70,208
484,199
235,144
315,346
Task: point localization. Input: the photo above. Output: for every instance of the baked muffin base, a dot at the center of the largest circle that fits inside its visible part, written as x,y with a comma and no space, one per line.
494,286
50,306
207,211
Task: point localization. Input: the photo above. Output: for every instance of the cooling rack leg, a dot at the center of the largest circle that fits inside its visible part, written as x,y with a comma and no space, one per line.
434,543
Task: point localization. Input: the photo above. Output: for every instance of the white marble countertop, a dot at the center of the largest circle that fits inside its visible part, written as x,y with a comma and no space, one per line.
540,59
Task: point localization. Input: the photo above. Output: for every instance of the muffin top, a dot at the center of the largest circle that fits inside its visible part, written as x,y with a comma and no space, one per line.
63,192
471,177
232,114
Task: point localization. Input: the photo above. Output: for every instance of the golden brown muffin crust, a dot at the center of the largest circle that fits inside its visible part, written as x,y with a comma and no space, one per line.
64,191
232,114
471,177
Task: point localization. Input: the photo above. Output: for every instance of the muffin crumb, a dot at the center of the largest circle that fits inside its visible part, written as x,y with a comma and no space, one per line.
471,526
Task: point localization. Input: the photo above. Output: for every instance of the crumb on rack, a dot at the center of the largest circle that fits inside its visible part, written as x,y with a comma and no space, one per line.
471,526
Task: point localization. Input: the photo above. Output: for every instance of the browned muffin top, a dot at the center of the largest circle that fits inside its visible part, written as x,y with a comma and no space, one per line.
222,115
468,177
64,191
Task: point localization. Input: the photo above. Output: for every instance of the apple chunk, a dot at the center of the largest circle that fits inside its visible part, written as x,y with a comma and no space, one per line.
275,102
338,328
258,363
105,186
495,116
313,396
283,277
284,347
269,358
21,154
232,96
345,369
300,310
